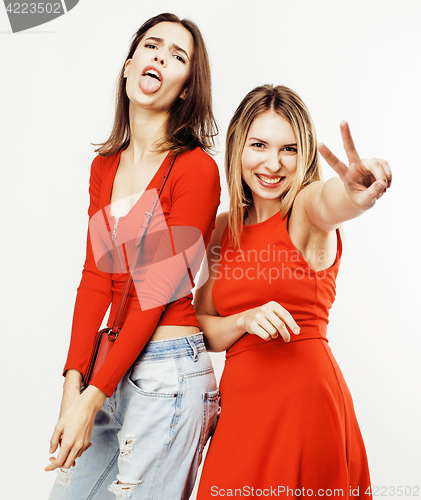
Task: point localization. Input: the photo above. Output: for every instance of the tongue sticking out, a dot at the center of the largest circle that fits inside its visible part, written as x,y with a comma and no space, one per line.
149,84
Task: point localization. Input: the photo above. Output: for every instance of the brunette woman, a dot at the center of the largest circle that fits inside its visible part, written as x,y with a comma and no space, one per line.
150,408
287,426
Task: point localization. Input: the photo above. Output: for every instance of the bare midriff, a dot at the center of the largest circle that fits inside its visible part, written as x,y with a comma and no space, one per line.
164,332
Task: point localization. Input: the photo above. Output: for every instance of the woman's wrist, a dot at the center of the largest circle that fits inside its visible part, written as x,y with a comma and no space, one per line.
240,323
73,381
93,397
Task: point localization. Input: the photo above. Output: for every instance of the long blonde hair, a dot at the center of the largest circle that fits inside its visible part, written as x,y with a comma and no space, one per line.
289,105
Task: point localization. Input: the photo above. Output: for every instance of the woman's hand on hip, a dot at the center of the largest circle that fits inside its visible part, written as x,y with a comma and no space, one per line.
74,429
268,322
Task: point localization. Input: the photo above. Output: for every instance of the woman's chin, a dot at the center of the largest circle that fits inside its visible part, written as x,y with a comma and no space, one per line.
269,194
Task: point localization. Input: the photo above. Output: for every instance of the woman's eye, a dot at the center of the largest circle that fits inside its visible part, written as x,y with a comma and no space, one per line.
179,58
258,145
290,149
150,46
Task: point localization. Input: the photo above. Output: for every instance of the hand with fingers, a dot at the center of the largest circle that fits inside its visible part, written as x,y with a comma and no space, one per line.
74,428
73,434
365,181
268,322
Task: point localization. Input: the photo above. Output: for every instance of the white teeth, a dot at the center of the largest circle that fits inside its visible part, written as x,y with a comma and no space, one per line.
153,73
269,181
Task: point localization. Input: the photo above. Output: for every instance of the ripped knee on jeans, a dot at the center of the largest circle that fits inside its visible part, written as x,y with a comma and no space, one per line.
123,487
126,448
63,477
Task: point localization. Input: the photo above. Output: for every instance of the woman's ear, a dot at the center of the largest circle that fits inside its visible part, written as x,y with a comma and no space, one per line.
183,94
126,67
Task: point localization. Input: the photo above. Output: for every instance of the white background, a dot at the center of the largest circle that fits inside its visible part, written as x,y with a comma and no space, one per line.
358,61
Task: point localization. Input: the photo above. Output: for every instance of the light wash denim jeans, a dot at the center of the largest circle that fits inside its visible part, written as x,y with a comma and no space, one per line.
149,435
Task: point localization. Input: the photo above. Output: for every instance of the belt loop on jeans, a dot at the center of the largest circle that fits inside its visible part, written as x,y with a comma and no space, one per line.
194,348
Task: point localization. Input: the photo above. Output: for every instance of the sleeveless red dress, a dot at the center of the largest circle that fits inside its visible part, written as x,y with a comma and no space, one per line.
287,426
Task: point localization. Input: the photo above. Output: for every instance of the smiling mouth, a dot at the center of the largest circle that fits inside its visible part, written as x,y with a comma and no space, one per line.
270,180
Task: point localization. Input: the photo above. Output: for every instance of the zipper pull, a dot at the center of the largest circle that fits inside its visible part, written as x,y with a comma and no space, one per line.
114,238
114,235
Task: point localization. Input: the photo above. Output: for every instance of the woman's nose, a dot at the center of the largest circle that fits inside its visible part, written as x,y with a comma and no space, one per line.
160,59
273,163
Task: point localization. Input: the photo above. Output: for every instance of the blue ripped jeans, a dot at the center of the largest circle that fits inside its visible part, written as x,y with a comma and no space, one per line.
149,435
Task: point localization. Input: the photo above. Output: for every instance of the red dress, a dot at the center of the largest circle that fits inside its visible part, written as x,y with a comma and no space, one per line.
287,426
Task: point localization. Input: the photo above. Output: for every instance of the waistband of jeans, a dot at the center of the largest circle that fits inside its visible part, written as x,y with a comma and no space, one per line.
182,346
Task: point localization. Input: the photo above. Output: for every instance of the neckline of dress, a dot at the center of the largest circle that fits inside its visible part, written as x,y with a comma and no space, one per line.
263,222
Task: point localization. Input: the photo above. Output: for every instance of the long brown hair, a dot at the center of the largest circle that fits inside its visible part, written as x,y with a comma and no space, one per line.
289,105
190,122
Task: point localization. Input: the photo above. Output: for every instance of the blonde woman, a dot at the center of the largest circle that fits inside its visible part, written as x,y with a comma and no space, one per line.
287,424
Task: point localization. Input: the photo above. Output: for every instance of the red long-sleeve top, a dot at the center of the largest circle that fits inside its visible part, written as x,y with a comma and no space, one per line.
161,294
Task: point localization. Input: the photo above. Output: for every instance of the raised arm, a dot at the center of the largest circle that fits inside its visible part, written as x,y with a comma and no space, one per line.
267,321
329,204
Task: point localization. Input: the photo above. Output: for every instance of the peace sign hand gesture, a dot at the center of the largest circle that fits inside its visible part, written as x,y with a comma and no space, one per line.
365,181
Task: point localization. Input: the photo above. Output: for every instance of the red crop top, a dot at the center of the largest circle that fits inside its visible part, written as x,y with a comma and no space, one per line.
190,198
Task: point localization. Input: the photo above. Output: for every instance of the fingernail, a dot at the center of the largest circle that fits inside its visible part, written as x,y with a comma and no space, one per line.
296,331
50,450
